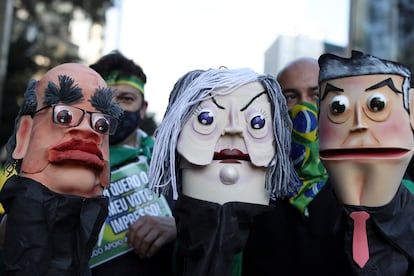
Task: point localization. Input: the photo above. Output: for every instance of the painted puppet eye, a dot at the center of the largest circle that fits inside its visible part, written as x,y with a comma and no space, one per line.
204,121
101,124
257,124
378,107
339,105
257,121
376,102
205,117
63,116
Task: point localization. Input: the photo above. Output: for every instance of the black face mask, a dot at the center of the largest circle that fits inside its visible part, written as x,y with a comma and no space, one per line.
128,123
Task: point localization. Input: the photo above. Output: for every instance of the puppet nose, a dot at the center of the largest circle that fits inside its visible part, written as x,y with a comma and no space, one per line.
233,126
85,131
358,123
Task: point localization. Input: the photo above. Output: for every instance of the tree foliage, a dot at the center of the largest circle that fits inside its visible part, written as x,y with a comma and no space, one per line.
39,41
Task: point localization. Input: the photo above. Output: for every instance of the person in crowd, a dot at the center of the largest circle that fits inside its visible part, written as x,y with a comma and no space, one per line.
150,234
366,143
296,237
59,156
299,81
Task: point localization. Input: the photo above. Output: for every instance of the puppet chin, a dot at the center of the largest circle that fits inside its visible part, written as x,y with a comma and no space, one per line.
70,178
367,182
222,182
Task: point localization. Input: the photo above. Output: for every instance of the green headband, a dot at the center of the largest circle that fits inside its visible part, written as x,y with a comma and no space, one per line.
115,79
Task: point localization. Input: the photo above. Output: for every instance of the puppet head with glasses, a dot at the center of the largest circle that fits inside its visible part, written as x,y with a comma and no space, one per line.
62,131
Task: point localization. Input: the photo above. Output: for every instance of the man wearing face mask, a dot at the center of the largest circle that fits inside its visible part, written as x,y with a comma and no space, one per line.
148,232
128,79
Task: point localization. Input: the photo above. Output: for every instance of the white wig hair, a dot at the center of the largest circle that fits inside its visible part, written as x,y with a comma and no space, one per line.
187,94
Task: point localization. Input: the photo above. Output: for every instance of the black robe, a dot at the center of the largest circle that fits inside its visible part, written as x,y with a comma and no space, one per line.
284,242
390,233
49,233
210,235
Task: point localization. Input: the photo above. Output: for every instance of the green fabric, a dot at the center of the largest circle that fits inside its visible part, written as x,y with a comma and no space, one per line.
409,185
115,78
146,146
237,264
121,154
305,156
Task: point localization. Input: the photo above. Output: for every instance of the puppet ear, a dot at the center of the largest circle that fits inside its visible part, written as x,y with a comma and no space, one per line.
23,137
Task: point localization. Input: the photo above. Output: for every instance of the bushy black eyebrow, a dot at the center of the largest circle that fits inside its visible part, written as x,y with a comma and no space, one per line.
102,101
388,82
330,88
66,92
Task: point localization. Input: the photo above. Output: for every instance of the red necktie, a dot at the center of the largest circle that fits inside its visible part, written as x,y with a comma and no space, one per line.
360,251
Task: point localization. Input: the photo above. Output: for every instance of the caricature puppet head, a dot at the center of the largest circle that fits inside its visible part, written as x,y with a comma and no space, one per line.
61,134
365,126
225,137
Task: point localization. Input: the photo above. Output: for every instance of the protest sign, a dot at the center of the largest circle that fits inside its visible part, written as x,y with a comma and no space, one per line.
130,198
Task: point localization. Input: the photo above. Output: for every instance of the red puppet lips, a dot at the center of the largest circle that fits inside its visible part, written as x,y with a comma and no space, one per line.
231,156
79,152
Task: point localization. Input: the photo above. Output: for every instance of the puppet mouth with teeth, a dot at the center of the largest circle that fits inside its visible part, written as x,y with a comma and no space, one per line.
364,153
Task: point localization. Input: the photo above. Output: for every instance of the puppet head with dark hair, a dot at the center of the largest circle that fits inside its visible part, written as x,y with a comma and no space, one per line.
366,118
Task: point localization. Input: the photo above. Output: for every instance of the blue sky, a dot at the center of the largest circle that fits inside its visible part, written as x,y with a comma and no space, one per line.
171,37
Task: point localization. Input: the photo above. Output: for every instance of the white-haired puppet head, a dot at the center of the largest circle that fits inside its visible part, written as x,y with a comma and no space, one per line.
188,111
